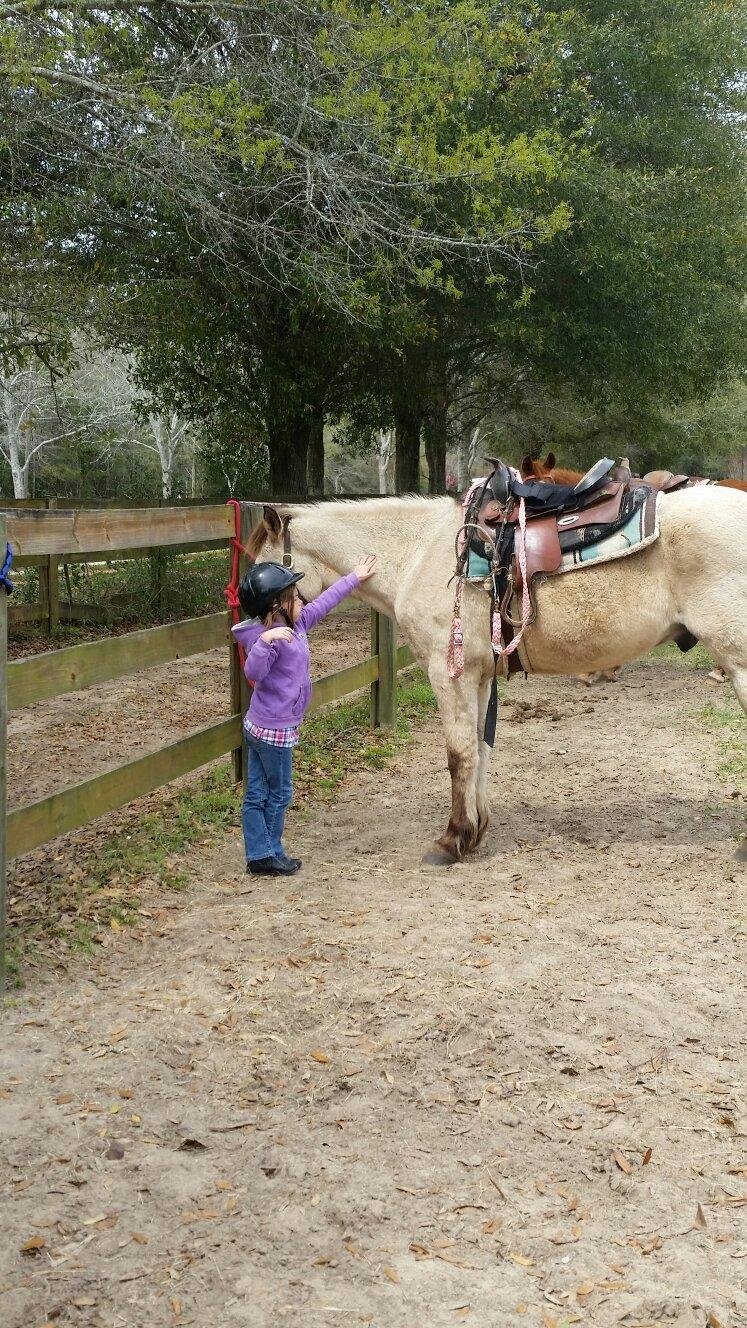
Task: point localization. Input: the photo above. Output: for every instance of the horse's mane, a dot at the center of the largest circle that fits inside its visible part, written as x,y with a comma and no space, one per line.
260,534
256,541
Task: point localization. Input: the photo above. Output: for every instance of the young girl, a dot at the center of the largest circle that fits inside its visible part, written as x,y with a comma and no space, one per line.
277,663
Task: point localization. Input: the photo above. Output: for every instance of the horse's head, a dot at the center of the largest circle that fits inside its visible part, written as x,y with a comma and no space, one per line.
269,543
536,469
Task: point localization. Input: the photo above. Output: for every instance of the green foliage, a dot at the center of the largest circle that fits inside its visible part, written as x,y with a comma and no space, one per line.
285,210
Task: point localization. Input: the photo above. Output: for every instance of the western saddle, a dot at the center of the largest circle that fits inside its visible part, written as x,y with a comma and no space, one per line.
559,517
556,519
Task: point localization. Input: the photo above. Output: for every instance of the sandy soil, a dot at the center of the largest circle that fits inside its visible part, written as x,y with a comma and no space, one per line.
505,1094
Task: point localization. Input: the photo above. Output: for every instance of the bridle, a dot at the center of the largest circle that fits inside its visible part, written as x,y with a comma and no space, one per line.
287,549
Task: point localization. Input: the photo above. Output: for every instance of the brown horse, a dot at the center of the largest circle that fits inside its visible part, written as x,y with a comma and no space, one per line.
547,470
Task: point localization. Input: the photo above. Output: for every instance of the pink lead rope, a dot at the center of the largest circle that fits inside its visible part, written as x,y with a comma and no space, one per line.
455,648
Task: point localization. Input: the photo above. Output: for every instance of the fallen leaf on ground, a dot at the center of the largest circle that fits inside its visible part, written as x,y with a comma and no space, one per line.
320,1056
391,1273
33,1245
622,1161
647,1156
700,1223
521,1259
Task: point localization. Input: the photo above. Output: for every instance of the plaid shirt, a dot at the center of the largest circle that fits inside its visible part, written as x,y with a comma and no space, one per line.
273,737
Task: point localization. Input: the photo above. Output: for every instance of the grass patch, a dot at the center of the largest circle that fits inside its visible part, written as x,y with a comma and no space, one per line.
729,723
68,907
697,658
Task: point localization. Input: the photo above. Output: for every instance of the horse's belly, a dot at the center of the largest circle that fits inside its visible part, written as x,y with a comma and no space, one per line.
594,617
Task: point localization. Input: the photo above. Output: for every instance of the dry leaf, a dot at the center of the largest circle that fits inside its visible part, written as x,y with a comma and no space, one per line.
320,1056
713,1322
522,1307
139,1238
584,1290
33,1245
622,1161
700,1220
647,1156
176,1308
200,1215
494,1224
549,1320
521,1259
84,1302
391,1273
352,1250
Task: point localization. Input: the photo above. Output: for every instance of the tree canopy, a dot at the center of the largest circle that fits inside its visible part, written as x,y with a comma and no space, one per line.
291,210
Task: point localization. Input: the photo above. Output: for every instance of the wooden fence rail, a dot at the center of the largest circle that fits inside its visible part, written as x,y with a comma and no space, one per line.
51,534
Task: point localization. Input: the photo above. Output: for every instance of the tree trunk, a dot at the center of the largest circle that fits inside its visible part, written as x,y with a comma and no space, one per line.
408,424
384,451
289,452
467,450
315,462
435,436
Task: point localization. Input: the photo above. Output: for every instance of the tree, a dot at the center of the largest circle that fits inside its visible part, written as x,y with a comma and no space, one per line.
286,166
30,409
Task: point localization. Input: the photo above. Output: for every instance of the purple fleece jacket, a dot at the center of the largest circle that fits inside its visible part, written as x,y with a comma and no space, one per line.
280,670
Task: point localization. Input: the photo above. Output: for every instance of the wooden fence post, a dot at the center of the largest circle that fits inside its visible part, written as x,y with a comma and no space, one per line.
239,686
53,584
384,690
3,754
49,597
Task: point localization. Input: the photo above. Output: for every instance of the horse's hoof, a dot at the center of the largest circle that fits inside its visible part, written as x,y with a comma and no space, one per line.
741,853
437,857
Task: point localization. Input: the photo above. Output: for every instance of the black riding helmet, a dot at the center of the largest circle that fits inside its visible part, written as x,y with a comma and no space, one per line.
262,585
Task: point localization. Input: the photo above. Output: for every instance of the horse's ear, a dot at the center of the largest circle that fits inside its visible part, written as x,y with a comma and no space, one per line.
526,465
272,521
550,461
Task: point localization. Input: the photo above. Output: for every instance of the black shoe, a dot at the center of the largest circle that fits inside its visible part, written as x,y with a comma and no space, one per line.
271,867
295,863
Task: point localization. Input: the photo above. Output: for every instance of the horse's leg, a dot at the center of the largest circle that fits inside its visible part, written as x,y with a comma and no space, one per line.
458,708
483,765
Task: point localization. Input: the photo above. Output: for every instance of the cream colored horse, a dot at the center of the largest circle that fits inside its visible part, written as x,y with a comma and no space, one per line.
694,575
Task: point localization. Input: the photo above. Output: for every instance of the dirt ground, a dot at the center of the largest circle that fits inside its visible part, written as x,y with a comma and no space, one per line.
505,1094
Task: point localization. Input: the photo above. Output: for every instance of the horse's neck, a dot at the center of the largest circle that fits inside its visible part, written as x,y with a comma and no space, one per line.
395,530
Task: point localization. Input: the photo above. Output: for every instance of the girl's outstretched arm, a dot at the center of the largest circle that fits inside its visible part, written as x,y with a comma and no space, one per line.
319,608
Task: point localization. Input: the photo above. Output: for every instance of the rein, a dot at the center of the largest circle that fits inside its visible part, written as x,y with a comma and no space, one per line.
471,506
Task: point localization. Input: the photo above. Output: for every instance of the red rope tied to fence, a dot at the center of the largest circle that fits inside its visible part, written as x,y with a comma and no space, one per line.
231,591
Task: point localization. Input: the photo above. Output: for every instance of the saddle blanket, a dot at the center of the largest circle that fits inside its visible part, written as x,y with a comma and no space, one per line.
640,530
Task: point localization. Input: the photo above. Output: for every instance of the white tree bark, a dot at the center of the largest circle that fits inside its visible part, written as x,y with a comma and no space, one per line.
466,453
383,454
169,436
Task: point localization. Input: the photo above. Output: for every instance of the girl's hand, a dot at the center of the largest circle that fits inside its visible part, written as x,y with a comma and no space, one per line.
366,566
277,634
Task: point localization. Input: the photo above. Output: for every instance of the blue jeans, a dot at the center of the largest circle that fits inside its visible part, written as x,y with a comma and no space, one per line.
269,791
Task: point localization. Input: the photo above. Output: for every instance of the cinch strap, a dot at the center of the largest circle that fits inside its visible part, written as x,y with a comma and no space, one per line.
5,570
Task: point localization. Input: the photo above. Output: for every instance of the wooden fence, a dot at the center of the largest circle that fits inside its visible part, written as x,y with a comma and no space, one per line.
36,535
50,609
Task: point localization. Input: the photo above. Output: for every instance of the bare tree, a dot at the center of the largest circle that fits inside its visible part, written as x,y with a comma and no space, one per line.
170,436
383,452
32,419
